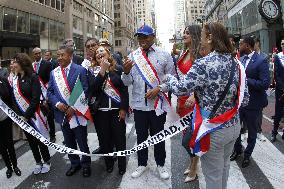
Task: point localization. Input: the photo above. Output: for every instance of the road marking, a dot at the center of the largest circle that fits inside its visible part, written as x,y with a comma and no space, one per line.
150,179
26,163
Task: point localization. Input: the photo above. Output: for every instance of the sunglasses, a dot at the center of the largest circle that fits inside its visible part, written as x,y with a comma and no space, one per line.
91,45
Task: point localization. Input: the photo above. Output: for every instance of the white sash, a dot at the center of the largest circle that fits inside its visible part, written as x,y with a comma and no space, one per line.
42,85
150,76
65,92
281,58
40,122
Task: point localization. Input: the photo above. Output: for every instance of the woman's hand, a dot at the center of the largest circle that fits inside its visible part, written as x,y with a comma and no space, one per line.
122,115
190,101
104,66
153,93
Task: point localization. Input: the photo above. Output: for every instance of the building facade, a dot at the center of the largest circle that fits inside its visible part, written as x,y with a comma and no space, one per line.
242,17
145,12
124,26
195,11
180,17
91,18
29,23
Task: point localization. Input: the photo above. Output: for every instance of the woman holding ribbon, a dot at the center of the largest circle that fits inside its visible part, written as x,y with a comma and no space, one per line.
218,82
111,105
185,104
27,91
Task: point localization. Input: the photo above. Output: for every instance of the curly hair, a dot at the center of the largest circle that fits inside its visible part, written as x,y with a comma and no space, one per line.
25,63
195,34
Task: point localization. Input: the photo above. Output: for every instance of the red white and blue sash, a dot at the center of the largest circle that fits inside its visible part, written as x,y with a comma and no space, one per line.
281,58
150,77
42,85
110,90
40,121
202,127
64,90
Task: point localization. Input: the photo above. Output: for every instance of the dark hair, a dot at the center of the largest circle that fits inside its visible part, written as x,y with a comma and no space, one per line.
25,62
48,51
195,34
249,40
220,39
91,39
66,48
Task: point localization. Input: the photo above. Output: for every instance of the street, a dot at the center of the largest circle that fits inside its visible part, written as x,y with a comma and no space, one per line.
265,171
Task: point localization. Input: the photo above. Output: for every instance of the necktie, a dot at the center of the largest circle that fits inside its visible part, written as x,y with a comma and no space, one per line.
37,67
146,52
66,71
244,61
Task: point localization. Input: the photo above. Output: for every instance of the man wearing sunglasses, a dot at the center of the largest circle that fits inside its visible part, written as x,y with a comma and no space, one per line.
279,91
91,46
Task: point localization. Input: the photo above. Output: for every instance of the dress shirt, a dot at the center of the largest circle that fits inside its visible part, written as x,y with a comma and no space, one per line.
163,64
37,65
249,58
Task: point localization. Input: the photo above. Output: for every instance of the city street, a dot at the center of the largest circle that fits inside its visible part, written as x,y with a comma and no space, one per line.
265,171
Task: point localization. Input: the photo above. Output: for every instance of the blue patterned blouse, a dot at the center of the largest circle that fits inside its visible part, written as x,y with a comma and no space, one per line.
207,78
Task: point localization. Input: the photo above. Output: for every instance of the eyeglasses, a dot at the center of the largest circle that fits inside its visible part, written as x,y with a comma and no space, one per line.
91,45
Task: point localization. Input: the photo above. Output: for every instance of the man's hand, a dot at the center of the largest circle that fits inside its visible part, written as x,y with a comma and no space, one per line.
190,101
122,115
70,112
127,65
62,107
153,93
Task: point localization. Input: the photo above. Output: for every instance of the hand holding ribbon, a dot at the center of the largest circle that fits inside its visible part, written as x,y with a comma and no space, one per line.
153,93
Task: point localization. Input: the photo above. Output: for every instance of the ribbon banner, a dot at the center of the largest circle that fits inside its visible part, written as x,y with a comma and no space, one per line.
167,133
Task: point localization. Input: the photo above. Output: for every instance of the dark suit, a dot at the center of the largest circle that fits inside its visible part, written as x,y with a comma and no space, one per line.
109,129
77,59
279,92
6,134
30,88
43,72
258,80
53,63
78,134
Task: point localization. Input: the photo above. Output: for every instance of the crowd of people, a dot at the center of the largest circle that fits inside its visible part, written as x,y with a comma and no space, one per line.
222,87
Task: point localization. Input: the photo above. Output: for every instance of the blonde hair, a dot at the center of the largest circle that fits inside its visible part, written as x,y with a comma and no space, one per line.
110,59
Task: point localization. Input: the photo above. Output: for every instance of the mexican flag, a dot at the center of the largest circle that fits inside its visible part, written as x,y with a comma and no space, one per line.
79,101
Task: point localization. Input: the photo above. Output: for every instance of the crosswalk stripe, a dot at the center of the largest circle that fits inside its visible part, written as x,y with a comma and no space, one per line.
150,178
26,163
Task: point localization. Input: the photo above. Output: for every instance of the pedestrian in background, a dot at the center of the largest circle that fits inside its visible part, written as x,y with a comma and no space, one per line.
6,134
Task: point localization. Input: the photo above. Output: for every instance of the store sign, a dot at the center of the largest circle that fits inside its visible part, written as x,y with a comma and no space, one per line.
238,7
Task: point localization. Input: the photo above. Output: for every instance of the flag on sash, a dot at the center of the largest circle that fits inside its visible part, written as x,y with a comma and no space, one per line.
79,101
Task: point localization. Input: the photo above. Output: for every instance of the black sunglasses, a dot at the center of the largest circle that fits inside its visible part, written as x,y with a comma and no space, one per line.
91,45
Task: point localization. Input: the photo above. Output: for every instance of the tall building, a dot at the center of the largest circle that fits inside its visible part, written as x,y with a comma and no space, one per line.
243,18
195,11
25,24
91,18
124,26
179,16
29,23
145,12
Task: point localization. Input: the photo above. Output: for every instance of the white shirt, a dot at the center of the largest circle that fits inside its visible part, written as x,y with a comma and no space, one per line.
86,63
249,58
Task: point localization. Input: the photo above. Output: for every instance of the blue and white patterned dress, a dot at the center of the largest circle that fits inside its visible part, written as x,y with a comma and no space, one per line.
207,78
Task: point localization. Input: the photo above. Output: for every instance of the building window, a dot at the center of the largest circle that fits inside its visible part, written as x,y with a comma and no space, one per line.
34,24
9,19
60,31
77,6
117,43
77,25
58,4
62,5
96,17
41,1
47,2
44,33
89,29
53,45
53,3
23,22
90,13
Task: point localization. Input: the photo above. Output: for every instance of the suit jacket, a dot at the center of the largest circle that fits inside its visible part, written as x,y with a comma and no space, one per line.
30,89
278,73
4,72
258,80
44,71
53,63
77,59
53,94
6,92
